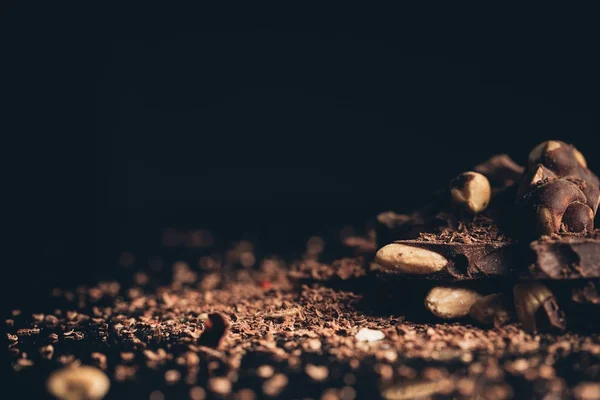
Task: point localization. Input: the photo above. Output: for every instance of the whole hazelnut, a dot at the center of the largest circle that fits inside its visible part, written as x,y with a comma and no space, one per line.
471,190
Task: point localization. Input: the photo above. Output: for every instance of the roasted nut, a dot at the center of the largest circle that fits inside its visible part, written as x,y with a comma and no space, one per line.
533,177
578,218
536,307
590,191
550,201
78,383
579,157
563,159
471,190
491,310
450,302
536,155
409,260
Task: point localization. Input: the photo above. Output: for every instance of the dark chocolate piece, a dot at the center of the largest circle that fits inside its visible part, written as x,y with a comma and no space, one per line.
473,260
566,257
501,171
588,292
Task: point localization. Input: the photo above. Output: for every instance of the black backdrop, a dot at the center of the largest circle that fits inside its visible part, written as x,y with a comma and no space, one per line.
256,120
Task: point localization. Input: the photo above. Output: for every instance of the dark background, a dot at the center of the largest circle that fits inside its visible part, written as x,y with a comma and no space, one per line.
269,121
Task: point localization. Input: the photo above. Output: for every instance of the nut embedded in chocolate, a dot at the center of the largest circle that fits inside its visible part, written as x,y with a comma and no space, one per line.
537,308
551,200
409,260
450,302
471,190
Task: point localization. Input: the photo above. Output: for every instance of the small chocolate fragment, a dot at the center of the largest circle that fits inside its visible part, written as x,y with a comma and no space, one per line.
537,308
566,257
444,260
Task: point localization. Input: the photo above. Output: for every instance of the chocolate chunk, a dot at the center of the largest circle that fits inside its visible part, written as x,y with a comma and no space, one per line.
566,257
464,261
501,170
588,292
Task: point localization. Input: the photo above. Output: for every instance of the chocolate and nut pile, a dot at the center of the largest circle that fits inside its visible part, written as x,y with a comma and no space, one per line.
199,318
528,229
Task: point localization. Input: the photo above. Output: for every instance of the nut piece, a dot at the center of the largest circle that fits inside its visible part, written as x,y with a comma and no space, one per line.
450,302
78,383
551,200
472,190
536,176
579,157
491,310
578,218
543,148
536,307
409,260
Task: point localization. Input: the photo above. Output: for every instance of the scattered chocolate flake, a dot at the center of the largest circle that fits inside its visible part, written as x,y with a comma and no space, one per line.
283,328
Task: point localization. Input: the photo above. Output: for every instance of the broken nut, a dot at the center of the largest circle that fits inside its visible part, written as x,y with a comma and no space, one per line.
536,307
471,190
450,302
409,260
78,383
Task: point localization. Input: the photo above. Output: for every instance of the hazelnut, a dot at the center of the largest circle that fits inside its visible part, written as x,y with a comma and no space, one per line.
78,383
471,190
538,152
409,259
450,302
533,177
579,157
563,159
551,200
578,217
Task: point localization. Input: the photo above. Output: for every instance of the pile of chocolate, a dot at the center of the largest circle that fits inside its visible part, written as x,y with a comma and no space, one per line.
504,242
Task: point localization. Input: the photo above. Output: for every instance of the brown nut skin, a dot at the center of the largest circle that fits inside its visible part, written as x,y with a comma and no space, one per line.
563,159
534,177
472,191
578,217
591,193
